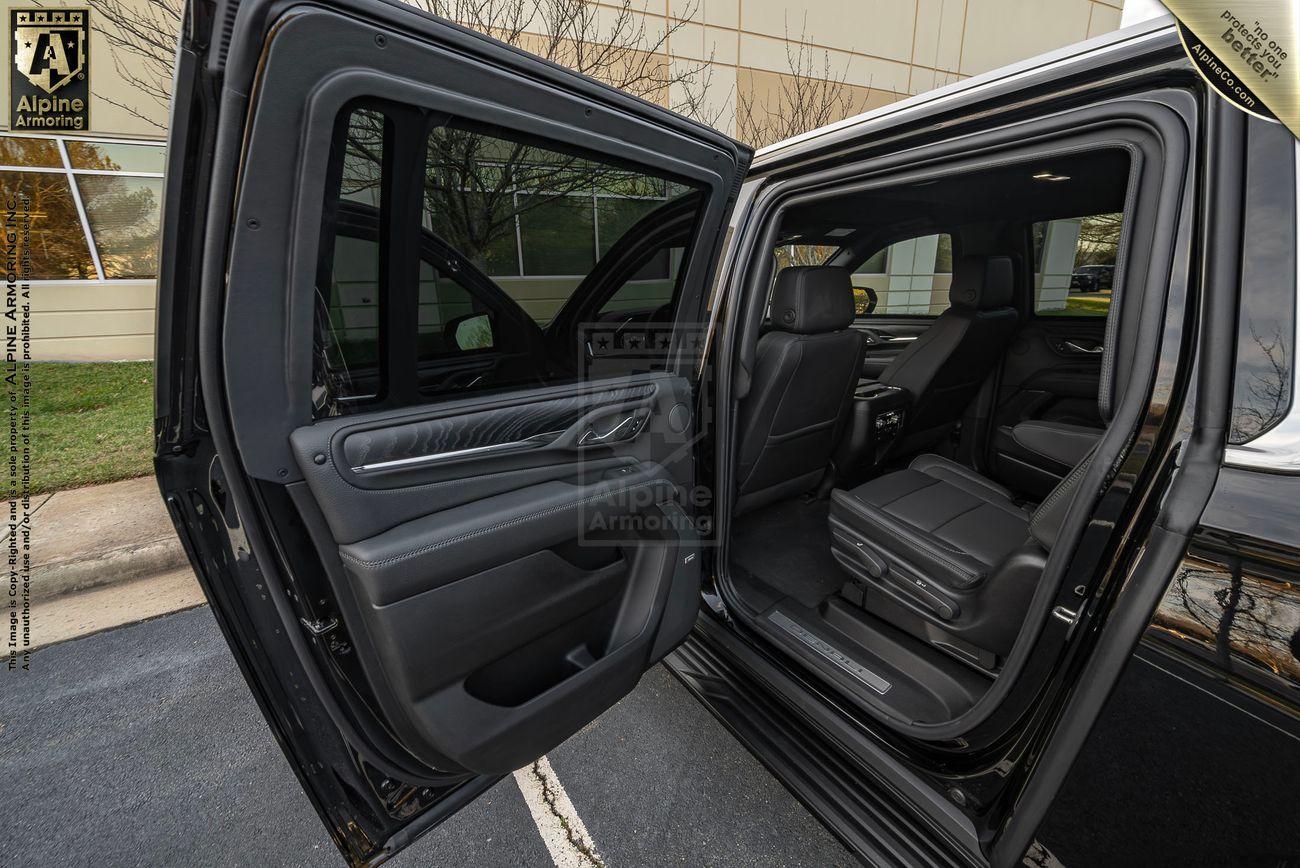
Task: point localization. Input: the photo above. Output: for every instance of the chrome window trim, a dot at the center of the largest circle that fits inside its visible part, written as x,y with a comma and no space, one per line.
1277,450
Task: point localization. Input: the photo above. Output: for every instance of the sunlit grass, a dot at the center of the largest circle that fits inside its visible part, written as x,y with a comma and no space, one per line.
91,423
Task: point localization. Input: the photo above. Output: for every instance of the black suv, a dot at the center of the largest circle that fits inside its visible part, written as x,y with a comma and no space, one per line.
482,388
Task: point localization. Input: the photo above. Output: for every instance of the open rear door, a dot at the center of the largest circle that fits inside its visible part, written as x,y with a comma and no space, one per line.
436,546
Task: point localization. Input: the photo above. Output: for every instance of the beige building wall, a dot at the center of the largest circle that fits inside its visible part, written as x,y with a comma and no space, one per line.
883,49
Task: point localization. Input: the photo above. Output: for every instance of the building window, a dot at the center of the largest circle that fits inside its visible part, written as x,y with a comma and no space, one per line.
95,205
908,278
58,243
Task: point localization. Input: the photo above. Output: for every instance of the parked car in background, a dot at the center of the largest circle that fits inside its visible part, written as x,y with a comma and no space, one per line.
981,579
1092,278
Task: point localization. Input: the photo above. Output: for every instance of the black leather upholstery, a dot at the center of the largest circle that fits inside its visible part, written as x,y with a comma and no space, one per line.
810,300
945,554
1057,446
804,374
937,520
981,283
945,366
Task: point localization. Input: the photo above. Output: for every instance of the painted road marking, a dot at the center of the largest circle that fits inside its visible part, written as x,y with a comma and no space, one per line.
562,829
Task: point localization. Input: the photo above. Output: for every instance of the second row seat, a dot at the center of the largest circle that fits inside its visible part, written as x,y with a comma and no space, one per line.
946,554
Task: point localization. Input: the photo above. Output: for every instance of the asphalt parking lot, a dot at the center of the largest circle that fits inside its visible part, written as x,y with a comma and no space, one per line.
142,746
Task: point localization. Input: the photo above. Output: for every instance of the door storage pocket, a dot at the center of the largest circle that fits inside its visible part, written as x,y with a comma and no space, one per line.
532,669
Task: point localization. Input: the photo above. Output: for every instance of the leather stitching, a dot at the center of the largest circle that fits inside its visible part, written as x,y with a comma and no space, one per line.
1066,487
918,545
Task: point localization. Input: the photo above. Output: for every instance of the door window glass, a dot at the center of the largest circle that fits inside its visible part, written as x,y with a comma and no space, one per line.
907,278
536,220
1074,264
507,231
651,287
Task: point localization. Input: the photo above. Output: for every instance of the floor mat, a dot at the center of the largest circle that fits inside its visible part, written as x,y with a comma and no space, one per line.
788,546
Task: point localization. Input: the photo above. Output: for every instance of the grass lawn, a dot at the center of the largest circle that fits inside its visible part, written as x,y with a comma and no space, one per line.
91,423
1082,305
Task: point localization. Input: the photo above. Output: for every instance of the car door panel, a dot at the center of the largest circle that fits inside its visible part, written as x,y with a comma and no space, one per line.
434,578
324,63
885,338
1051,373
480,560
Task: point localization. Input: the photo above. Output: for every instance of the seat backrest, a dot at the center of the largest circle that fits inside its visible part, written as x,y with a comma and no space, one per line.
944,367
805,371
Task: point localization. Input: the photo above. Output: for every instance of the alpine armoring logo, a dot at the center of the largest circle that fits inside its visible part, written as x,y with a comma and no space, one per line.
50,77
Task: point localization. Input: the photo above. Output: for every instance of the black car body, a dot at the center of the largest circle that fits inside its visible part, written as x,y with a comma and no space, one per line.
444,524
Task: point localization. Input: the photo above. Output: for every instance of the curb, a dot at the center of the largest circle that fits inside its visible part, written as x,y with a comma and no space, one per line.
107,568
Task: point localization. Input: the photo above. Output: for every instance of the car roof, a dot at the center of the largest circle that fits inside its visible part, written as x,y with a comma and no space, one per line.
1142,38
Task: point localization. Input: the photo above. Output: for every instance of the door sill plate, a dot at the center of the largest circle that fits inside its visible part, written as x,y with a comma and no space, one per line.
841,660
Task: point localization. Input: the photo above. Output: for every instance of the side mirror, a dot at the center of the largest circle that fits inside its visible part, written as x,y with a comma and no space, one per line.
864,300
471,331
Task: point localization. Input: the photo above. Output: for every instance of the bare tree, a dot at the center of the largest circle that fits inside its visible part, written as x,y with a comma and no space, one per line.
611,43
1099,239
811,95
1265,372
141,36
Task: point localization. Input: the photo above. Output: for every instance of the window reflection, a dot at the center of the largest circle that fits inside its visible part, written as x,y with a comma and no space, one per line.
116,157
124,218
58,245
1262,387
37,153
120,189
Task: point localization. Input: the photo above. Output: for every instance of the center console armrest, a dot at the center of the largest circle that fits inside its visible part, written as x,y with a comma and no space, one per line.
875,418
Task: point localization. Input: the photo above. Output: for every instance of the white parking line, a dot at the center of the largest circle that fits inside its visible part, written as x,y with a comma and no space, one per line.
562,829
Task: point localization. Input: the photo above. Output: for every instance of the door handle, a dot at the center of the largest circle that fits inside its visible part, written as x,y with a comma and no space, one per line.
622,430
1079,348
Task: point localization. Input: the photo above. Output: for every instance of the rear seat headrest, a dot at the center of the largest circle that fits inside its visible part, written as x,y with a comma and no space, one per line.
810,299
982,282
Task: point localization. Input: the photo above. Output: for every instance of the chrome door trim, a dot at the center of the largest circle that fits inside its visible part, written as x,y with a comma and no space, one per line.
455,454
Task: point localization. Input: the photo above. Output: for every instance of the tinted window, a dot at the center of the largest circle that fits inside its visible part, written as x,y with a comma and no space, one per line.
1266,328
907,278
507,231
347,341
1074,264
651,287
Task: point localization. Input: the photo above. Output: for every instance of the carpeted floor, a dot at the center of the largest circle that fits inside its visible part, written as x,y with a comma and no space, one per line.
788,546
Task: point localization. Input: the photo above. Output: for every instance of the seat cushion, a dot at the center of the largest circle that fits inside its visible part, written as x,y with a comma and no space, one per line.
936,521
